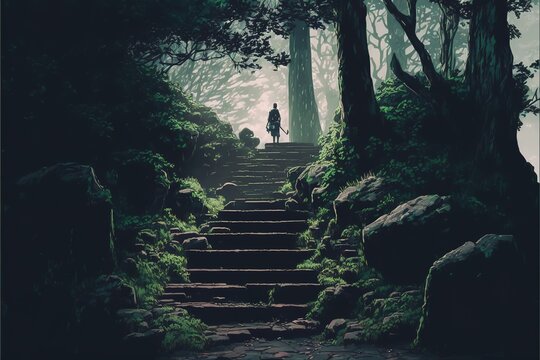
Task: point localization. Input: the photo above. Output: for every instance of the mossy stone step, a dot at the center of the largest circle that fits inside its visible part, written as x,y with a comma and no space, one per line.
247,259
253,240
256,205
254,292
262,215
286,226
221,313
244,276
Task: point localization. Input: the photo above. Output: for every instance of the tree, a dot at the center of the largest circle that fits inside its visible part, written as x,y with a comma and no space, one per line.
304,122
359,110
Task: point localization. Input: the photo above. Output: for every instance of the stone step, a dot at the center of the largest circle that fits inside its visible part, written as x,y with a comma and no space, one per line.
254,293
229,241
289,144
247,258
222,313
260,186
231,333
271,162
244,276
268,195
287,226
239,179
262,215
256,205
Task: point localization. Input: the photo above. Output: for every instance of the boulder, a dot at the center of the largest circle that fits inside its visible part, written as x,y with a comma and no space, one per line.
476,300
310,178
293,173
350,203
187,202
180,237
247,137
292,204
132,320
337,302
196,243
219,230
403,244
318,196
335,326
228,190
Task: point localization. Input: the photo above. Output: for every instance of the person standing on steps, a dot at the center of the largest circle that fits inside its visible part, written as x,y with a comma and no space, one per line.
274,124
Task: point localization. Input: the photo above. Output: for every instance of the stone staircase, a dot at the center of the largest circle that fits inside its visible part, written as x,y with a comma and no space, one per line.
248,282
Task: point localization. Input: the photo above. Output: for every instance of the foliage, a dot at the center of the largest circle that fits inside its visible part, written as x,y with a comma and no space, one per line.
182,332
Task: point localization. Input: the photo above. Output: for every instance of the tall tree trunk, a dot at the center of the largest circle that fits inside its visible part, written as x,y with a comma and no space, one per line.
359,109
303,112
396,38
499,165
449,25
489,75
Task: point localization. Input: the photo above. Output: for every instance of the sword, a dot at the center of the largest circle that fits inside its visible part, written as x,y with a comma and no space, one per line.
286,132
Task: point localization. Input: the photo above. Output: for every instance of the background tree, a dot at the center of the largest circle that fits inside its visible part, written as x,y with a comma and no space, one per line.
304,122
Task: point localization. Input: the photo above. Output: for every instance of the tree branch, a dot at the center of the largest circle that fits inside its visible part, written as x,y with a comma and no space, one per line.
408,23
410,81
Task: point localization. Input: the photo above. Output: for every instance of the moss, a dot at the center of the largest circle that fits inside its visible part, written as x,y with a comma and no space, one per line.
182,332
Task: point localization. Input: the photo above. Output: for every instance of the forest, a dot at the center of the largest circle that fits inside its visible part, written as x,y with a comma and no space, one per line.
147,214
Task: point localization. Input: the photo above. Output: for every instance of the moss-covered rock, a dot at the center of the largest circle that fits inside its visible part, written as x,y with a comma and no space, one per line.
476,300
403,244
310,178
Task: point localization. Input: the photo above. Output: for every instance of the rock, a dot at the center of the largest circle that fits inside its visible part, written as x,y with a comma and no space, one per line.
196,243
187,202
133,320
228,190
293,173
310,178
216,340
335,326
247,137
180,237
354,326
395,294
173,247
205,229
309,324
317,196
238,335
403,244
219,230
147,236
368,297
352,200
475,299
111,294
354,337
292,204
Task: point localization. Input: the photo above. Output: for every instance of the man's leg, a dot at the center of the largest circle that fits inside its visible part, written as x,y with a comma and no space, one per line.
278,139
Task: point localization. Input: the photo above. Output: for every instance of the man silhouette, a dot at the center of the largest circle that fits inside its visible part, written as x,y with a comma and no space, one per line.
274,124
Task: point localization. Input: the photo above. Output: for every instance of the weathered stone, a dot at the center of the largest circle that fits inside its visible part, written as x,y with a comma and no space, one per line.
173,247
228,190
187,202
180,237
349,204
309,179
147,236
219,230
217,340
353,337
403,244
294,172
292,204
247,137
196,243
317,196
475,299
335,326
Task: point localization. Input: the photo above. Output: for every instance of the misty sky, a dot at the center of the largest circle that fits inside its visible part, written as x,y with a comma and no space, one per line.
262,88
